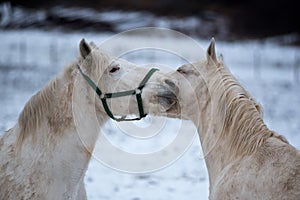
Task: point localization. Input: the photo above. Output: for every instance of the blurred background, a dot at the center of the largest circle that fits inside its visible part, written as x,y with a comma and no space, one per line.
259,40
224,19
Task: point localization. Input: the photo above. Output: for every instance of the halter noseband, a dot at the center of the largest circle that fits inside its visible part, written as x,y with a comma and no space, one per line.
137,92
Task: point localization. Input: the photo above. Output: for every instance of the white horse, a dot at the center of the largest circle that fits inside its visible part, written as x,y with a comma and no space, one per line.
245,160
46,154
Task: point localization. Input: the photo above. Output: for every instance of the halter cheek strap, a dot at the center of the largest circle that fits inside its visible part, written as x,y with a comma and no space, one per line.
137,92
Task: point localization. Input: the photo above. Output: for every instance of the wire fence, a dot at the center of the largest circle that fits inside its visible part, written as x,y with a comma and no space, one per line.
51,55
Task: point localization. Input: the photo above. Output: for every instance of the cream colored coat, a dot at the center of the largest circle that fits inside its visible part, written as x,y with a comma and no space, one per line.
46,154
245,160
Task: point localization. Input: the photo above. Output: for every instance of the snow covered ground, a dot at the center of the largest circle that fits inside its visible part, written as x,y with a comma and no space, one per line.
29,59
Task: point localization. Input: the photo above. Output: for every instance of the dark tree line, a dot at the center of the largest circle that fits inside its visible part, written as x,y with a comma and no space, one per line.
251,18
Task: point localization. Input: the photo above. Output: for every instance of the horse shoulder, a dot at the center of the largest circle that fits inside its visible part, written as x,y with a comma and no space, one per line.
22,177
281,162
273,172
12,182
236,181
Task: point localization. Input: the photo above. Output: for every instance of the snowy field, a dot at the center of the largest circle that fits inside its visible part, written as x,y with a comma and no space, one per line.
29,59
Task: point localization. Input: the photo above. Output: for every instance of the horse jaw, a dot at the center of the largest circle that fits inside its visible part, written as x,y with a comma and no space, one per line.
162,98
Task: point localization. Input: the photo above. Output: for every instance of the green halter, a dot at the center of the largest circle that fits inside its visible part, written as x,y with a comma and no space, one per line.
137,92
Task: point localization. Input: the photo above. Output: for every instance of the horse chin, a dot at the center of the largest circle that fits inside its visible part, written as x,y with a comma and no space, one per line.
168,106
165,99
174,111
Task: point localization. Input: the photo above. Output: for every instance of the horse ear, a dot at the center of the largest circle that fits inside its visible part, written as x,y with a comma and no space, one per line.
211,51
84,48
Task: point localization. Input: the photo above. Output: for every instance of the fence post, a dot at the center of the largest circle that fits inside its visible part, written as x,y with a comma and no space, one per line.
22,53
296,67
257,64
53,53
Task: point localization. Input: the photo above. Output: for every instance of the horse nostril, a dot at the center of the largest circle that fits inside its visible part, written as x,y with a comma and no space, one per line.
170,83
172,86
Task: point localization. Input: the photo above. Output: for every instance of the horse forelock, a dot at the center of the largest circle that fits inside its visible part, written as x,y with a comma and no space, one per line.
240,116
95,63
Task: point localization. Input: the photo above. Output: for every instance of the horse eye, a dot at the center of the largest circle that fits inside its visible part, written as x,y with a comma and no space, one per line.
114,69
181,71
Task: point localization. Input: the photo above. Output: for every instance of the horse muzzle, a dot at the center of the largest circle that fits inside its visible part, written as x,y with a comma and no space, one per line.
167,95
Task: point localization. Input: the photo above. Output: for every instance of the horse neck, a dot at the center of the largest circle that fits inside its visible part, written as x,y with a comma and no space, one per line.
229,124
87,118
62,120
207,133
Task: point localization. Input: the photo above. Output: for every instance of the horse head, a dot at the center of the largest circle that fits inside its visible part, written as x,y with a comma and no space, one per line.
192,80
125,88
